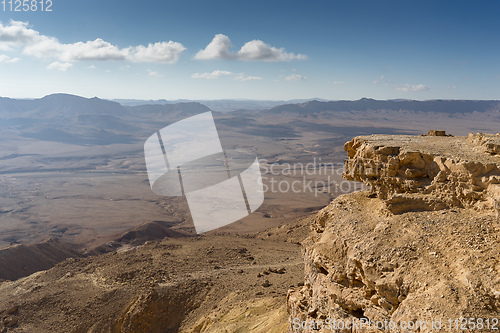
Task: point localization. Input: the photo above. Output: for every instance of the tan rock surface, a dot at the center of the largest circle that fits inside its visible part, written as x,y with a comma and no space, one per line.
423,246
426,172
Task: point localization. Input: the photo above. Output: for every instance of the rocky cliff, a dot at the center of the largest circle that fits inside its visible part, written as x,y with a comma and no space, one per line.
427,172
417,252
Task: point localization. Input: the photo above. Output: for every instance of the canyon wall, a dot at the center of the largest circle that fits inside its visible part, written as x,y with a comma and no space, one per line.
417,251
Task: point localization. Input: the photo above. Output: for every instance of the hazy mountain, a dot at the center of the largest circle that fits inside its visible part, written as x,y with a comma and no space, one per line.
87,121
135,102
92,121
58,105
221,105
367,104
172,111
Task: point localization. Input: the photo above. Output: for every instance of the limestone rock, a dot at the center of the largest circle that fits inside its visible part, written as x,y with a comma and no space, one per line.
436,133
430,172
421,247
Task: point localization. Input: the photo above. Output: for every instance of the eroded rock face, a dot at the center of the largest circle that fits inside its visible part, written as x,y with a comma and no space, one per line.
427,172
421,248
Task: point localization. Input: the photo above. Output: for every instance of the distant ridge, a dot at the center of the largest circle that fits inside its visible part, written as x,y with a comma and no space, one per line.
221,105
58,105
78,120
305,106
174,111
64,105
367,104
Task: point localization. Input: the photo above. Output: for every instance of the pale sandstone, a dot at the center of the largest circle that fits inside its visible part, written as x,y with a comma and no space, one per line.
423,245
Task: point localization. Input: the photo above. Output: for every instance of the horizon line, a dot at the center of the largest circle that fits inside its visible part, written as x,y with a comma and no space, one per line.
318,99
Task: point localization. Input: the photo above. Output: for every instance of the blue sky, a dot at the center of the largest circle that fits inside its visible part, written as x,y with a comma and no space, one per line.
253,49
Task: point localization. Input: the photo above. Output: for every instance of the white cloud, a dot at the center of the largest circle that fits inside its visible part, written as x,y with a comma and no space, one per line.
258,50
167,52
255,50
295,77
18,34
412,88
91,67
91,50
219,48
44,47
211,76
60,66
154,73
6,59
338,82
242,77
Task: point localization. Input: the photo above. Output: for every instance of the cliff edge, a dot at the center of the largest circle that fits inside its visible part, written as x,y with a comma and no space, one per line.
416,253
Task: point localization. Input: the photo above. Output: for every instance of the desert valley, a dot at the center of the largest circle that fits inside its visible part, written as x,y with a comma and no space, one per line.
405,228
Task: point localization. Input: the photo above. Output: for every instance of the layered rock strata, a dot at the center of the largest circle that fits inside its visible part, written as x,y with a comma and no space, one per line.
427,172
418,252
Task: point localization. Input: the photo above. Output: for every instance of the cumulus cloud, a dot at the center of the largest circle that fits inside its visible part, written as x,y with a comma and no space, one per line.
255,50
167,52
412,88
60,66
91,50
18,34
15,34
219,48
44,47
211,76
258,50
6,59
295,77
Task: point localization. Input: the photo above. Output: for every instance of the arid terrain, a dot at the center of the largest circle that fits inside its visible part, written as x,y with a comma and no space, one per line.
86,246
191,284
420,248
73,168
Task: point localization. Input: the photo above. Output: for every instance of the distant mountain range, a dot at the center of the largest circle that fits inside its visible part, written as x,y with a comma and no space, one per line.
367,104
222,105
89,121
321,105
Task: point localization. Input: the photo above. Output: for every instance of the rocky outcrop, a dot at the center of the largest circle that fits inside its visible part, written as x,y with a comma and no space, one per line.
417,252
427,172
490,142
